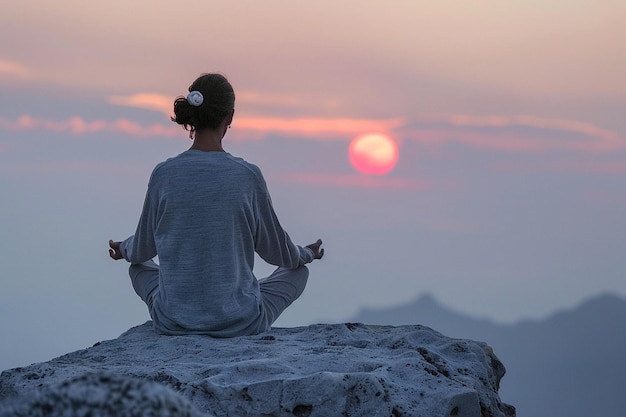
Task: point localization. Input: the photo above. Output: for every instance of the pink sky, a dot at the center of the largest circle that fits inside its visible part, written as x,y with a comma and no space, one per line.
323,69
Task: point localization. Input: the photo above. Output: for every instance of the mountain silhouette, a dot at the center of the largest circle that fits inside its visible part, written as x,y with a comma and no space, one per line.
570,364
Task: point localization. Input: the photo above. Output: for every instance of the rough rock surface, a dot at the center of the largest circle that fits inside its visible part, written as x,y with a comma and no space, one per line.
319,370
102,395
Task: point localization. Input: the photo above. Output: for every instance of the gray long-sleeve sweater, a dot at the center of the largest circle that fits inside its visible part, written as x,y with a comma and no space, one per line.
205,214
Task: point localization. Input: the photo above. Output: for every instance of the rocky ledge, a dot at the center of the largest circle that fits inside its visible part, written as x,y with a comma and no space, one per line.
319,370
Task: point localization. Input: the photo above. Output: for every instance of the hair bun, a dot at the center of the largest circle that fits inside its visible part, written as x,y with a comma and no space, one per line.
195,98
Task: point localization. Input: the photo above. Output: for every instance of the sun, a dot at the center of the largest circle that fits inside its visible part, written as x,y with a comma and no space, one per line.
373,153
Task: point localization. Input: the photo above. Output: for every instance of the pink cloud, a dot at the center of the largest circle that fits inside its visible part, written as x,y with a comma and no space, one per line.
585,137
164,103
590,138
13,69
320,128
148,101
261,124
78,126
316,126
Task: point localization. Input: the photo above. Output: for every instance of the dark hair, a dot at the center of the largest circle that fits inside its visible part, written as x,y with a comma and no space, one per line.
219,102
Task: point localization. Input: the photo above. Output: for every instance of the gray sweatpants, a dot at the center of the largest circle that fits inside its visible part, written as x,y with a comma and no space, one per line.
278,290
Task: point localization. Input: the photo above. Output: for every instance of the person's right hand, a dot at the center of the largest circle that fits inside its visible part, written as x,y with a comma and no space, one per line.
318,252
115,252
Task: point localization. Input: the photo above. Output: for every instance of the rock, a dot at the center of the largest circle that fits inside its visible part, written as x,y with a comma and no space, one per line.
102,395
319,370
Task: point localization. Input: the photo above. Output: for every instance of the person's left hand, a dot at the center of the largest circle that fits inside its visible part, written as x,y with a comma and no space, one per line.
115,252
318,252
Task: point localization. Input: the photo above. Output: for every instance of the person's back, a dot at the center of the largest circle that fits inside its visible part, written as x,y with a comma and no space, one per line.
204,234
205,214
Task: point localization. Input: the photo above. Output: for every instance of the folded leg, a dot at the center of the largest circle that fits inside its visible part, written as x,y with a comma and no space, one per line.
281,289
145,280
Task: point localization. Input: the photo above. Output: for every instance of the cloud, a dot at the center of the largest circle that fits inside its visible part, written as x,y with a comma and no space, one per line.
317,126
520,133
164,103
505,133
147,101
532,121
262,125
12,70
78,126
303,127
514,134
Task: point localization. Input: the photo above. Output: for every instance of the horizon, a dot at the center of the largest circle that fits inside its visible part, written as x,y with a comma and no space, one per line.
501,191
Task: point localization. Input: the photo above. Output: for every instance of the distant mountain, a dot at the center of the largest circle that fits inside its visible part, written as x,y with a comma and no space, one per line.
427,311
571,364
